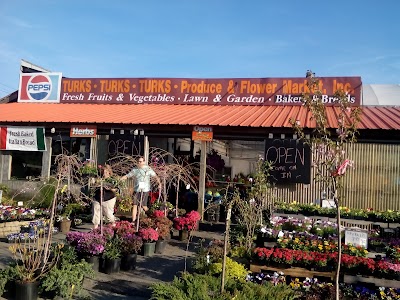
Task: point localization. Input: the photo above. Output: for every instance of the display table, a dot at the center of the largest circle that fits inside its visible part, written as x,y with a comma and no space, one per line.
293,272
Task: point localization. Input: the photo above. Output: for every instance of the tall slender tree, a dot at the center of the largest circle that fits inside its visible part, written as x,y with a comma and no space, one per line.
330,159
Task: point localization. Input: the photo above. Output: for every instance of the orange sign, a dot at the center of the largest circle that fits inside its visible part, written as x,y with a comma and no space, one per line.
202,133
83,131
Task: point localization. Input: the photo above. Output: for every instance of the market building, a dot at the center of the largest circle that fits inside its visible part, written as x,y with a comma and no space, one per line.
240,119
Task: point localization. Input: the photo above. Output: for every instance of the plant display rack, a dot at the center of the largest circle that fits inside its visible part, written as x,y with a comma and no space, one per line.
293,272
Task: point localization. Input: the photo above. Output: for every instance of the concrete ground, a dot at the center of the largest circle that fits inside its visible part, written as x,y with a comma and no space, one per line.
134,285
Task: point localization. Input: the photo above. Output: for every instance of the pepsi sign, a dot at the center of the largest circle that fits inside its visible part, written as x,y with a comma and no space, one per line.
39,87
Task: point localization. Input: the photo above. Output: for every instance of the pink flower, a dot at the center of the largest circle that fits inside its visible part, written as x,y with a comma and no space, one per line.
158,214
148,234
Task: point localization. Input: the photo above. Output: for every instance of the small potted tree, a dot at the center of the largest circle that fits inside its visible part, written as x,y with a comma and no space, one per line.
163,226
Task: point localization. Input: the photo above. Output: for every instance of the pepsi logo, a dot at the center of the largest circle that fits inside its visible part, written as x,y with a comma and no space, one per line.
39,87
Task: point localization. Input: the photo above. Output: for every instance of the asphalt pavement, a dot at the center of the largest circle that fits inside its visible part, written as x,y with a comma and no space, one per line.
134,285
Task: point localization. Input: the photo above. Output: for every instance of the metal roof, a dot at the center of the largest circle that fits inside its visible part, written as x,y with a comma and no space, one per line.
379,117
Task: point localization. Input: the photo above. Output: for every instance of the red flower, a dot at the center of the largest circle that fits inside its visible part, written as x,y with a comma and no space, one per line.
188,222
158,214
148,234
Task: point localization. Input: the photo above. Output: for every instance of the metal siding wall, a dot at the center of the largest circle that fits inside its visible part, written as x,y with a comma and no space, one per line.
374,182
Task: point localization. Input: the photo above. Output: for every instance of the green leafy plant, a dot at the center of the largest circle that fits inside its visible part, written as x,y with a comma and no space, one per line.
113,249
7,276
207,287
234,270
66,280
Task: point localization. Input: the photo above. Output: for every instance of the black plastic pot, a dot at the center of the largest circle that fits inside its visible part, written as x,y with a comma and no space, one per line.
94,261
112,265
128,262
26,290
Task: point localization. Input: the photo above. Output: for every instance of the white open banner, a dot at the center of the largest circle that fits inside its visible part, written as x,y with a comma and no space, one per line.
22,138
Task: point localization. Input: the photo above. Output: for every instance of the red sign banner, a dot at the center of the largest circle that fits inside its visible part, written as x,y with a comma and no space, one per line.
83,131
235,91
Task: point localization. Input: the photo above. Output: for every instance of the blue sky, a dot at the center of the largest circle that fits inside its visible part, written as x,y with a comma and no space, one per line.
201,39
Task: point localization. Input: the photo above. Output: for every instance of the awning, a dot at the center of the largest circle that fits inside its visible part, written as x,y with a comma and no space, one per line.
378,117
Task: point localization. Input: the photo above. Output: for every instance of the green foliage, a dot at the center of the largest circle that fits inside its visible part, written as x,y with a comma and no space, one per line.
233,269
206,287
267,291
113,249
6,199
67,281
46,194
239,252
7,275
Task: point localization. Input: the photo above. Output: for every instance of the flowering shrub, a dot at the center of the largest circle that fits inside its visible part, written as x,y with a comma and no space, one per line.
124,227
86,243
162,224
158,214
188,222
148,235
147,223
108,232
130,243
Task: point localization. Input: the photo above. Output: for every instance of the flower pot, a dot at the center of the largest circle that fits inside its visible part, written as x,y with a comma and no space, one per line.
183,235
65,226
128,262
160,246
95,261
112,265
26,290
149,249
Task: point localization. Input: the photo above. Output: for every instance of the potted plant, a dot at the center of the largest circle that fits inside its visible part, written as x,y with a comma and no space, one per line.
163,226
131,244
33,261
112,254
186,224
88,245
149,236
66,279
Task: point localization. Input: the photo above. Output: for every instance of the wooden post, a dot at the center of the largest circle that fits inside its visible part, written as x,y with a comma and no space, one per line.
202,179
101,206
226,241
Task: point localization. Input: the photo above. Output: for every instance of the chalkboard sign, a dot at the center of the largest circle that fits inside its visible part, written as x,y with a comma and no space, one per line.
291,160
129,144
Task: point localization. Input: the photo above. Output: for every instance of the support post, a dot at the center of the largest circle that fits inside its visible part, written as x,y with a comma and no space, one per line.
202,179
